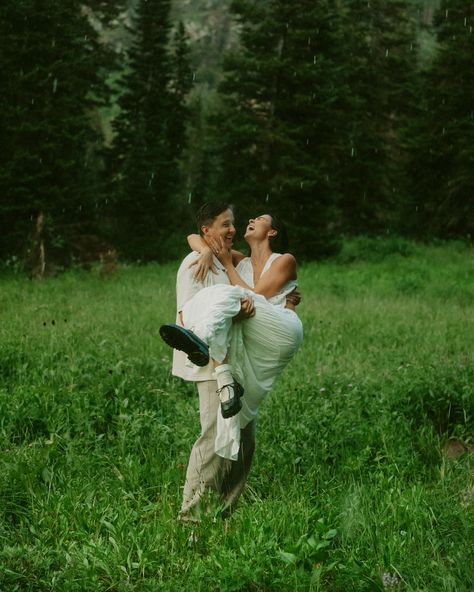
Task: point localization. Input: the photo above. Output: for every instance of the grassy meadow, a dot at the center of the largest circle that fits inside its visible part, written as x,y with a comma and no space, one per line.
363,477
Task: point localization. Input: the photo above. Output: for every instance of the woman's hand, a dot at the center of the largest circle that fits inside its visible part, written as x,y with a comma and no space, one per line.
219,249
203,264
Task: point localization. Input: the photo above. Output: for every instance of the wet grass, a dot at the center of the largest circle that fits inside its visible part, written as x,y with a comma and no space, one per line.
350,489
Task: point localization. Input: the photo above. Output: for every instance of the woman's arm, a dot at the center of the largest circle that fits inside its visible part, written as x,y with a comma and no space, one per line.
281,271
205,261
197,243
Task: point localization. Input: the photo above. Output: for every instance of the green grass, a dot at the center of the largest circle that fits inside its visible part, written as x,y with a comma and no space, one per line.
349,481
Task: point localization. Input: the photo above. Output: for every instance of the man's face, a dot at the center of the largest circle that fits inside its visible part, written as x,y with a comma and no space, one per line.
222,227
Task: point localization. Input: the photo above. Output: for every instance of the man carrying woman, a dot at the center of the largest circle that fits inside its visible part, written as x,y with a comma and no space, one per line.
247,356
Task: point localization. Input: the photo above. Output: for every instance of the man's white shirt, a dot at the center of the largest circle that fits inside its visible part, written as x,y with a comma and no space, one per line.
186,288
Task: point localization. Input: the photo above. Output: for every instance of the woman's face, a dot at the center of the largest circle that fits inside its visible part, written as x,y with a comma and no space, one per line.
259,227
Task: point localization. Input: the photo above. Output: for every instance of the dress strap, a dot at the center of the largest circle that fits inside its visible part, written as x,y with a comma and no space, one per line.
269,261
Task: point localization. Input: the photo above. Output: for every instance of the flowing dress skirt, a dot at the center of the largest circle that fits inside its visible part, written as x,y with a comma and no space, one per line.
258,348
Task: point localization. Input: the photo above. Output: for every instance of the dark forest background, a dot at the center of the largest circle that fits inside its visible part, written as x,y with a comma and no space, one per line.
118,119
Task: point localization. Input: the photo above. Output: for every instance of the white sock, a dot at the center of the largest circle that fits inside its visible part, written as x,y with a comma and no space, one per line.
224,377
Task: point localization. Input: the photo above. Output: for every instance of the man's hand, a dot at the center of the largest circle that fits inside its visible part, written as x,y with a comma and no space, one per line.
247,310
293,298
203,264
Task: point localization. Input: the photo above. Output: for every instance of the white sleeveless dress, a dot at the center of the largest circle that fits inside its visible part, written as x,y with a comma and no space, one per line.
258,348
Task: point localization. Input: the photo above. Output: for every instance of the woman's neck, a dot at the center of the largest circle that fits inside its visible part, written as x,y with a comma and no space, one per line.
259,253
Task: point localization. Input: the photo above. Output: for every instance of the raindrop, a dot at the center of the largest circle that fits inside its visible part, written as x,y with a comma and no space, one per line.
307,141
267,198
411,46
194,76
446,14
301,185
32,101
314,59
352,151
309,40
189,197
465,21
386,53
53,42
444,131
55,85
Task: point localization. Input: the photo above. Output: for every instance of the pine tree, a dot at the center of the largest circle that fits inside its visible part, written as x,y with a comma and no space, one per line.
197,162
149,135
281,114
181,85
443,149
380,68
50,58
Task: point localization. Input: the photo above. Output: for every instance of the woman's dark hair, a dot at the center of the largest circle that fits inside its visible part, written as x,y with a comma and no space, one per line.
279,243
209,211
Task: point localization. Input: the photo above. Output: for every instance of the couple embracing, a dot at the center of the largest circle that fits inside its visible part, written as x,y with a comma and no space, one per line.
236,330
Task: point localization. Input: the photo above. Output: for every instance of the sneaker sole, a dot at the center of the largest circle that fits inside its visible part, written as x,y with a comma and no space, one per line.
179,338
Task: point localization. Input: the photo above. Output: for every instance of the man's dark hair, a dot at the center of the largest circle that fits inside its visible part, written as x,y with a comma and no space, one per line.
209,211
279,243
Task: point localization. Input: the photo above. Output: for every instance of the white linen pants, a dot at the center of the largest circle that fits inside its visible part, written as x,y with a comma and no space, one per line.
207,472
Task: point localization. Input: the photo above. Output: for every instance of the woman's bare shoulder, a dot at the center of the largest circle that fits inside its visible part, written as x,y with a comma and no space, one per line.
285,259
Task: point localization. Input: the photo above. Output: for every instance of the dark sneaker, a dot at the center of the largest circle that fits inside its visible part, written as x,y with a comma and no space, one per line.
231,404
180,338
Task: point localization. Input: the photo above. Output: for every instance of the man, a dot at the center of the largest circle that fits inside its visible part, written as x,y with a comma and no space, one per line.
206,470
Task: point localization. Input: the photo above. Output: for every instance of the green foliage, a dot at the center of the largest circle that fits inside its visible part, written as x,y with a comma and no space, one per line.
442,161
349,481
51,61
313,103
365,248
280,107
380,50
149,135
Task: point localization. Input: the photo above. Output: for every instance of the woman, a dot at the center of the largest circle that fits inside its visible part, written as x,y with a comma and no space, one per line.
256,350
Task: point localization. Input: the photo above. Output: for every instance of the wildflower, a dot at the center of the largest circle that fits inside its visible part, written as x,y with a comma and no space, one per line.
390,580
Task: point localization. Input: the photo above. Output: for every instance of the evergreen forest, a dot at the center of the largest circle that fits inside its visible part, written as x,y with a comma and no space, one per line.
119,119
